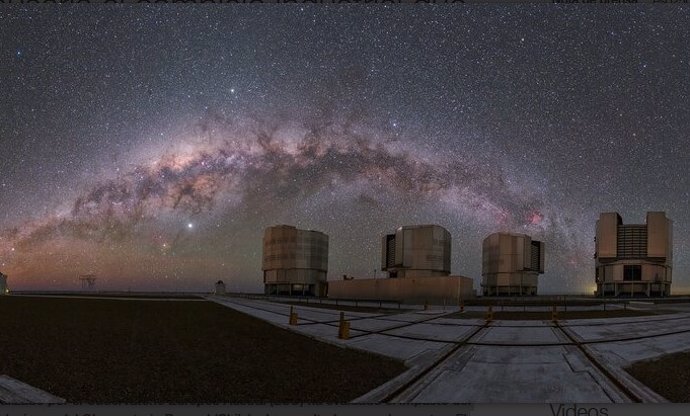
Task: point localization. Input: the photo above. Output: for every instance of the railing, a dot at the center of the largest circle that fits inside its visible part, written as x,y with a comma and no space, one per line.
380,303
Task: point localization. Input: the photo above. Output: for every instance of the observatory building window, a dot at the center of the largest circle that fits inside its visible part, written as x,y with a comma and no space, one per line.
632,272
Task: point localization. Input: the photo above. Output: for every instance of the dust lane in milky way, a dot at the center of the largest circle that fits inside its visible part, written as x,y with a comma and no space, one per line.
157,205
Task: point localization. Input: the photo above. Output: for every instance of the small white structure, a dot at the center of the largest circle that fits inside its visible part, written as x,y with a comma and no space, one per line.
3,285
87,281
220,288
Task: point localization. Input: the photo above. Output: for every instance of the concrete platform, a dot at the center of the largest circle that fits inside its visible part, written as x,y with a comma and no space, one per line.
513,375
470,361
434,332
622,328
402,349
520,336
16,392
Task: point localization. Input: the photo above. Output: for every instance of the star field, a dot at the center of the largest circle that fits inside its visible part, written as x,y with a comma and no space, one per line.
151,145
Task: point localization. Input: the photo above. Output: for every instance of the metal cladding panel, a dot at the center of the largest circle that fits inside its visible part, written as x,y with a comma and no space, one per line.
388,250
516,279
501,255
541,256
607,234
527,258
312,250
616,272
485,251
442,246
423,247
486,255
407,250
286,248
525,246
519,250
415,290
507,254
275,276
279,247
511,253
606,274
653,273
399,247
503,279
384,252
657,235
536,262
447,250
392,243
505,244
309,276
669,244
492,262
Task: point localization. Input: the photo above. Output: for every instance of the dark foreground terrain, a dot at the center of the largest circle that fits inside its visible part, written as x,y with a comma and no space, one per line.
669,376
113,351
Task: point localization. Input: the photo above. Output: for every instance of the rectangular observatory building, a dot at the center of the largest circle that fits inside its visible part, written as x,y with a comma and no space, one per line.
633,259
417,259
416,250
295,262
511,264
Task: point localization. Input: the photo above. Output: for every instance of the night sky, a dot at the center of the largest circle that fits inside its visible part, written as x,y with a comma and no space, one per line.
151,145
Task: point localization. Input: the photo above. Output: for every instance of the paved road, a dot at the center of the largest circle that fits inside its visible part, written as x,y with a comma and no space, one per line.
472,361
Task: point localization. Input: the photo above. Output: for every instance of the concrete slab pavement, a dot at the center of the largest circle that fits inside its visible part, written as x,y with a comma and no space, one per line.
481,374
520,335
465,361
